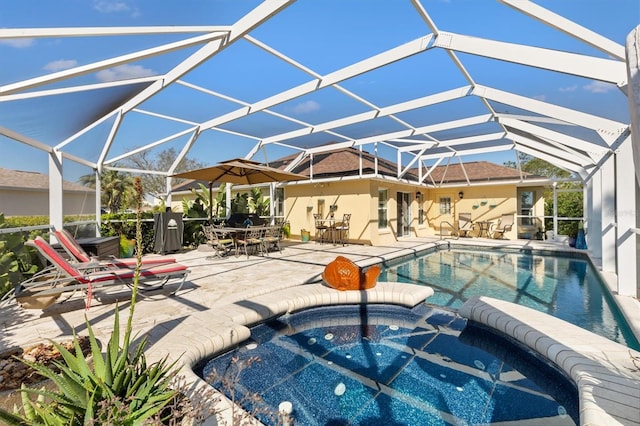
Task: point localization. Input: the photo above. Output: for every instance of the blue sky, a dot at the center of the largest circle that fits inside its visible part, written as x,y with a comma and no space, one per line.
322,35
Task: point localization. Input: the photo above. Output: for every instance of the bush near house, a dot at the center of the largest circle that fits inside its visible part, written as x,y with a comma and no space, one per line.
17,261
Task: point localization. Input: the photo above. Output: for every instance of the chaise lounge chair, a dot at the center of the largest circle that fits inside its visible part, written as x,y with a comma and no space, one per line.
63,277
75,250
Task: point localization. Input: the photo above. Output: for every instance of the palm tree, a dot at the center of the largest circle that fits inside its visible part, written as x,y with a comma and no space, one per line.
88,180
117,190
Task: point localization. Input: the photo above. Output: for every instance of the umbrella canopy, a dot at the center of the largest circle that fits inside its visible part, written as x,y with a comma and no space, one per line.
239,171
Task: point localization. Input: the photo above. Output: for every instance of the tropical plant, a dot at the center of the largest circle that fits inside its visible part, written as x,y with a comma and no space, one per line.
117,189
16,260
240,204
117,387
258,204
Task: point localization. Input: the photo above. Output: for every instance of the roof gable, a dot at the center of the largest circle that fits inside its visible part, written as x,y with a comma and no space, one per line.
23,180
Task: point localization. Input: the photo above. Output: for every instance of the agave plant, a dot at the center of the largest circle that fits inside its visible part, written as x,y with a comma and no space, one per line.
117,375
115,385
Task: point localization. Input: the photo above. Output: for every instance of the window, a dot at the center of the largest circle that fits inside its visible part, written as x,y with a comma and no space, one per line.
526,207
279,204
420,201
382,208
445,205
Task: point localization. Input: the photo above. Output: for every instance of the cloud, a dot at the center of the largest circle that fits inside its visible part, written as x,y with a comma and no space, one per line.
306,107
19,43
599,87
124,72
569,88
540,97
110,6
61,64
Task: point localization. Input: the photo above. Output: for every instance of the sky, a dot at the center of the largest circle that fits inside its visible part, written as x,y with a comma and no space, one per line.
321,35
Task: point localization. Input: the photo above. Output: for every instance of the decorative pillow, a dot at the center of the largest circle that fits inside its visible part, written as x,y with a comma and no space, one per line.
343,274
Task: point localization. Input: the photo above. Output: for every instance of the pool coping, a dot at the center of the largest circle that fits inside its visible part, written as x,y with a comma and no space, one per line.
608,381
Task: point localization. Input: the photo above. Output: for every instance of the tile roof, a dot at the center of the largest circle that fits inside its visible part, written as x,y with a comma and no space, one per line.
346,162
21,180
477,171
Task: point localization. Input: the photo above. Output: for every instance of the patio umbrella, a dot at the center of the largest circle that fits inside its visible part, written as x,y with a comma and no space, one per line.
238,171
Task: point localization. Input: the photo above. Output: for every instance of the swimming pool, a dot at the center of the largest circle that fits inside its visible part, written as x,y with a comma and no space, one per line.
564,286
378,364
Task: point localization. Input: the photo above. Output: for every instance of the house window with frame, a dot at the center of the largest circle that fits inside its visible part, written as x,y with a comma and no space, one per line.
420,200
279,204
445,205
383,197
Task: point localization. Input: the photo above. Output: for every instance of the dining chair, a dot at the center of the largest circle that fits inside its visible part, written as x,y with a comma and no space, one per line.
271,239
221,241
321,227
342,228
251,239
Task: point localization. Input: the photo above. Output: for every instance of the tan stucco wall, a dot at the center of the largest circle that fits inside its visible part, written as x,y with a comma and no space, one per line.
302,201
485,203
36,203
359,197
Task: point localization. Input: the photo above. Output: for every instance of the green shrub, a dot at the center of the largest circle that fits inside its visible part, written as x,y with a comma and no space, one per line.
17,261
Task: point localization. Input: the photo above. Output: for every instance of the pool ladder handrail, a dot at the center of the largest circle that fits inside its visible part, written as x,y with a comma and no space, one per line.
455,228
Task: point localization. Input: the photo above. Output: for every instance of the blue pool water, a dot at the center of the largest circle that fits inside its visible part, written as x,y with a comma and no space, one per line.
565,287
387,365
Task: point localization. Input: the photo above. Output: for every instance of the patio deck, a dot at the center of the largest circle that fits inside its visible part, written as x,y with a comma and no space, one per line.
223,296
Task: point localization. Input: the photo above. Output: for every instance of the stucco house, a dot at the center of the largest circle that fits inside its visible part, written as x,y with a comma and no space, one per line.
384,208
27,194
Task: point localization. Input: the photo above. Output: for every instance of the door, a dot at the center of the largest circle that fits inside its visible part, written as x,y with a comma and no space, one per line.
527,200
404,213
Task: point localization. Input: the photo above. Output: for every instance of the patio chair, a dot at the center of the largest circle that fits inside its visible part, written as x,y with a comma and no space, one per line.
252,239
220,240
505,225
64,276
342,228
76,252
321,227
465,225
272,237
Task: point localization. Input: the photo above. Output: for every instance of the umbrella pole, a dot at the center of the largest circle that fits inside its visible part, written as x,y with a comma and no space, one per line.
211,203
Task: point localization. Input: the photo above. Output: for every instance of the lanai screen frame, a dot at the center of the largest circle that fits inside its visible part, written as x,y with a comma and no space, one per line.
603,165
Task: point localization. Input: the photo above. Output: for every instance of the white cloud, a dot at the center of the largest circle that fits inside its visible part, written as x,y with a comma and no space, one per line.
61,64
305,107
569,88
540,97
124,72
110,6
599,87
19,43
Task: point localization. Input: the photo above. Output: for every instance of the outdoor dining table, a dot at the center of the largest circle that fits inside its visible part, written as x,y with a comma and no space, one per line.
330,224
484,226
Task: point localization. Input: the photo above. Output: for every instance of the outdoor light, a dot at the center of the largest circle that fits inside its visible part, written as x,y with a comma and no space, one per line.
461,195
418,195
